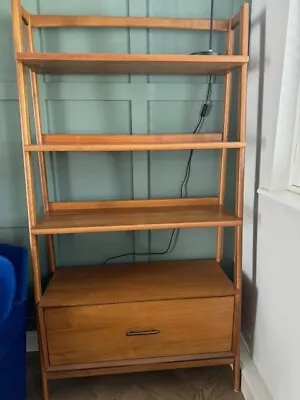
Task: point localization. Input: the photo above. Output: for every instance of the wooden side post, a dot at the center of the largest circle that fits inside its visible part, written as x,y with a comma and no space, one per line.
26,140
18,14
244,39
41,155
226,122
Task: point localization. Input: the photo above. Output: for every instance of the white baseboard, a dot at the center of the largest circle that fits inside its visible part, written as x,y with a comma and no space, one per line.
31,341
253,387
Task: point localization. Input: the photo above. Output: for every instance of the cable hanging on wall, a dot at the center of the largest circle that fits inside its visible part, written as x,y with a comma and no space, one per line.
210,50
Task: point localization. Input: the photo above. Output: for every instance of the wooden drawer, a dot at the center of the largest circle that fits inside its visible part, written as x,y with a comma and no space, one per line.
88,334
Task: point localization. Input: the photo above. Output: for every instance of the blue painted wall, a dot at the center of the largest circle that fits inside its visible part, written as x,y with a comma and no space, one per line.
112,104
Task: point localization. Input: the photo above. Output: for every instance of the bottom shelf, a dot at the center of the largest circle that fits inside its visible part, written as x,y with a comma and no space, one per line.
166,280
122,315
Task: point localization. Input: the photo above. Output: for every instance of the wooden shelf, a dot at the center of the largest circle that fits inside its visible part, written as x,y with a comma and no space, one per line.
133,215
87,63
137,282
67,142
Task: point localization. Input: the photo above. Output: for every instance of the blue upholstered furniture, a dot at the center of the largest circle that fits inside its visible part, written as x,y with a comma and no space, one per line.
13,294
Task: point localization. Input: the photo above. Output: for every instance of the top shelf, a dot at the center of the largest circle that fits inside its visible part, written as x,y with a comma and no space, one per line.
73,63
127,64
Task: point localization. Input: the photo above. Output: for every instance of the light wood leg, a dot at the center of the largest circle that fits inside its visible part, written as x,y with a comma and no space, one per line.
44,382
44,379
243,49
43,352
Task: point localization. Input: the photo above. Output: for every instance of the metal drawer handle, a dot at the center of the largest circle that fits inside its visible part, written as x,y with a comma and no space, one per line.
142,333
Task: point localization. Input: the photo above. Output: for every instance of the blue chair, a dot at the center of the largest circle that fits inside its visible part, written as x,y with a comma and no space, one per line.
13,307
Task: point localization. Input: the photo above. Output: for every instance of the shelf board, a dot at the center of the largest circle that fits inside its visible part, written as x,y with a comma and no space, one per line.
67,142
92,63
136,282
106,216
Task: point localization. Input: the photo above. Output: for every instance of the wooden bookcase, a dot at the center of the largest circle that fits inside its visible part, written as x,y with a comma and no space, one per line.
138,317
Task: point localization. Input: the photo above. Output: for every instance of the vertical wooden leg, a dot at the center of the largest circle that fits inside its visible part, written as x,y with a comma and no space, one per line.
42,352
44,382
237,374
237,310
36,272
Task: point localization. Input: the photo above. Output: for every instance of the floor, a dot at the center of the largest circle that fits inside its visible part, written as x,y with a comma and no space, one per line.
212,383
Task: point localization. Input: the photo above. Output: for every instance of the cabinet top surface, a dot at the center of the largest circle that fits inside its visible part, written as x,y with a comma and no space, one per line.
137,282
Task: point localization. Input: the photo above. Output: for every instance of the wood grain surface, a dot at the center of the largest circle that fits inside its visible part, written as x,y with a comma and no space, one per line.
87,63
90,334
138,218
137,282
85,142
58,21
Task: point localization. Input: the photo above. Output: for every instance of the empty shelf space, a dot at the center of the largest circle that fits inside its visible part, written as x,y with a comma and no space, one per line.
67,142
87,63
106,216
164,280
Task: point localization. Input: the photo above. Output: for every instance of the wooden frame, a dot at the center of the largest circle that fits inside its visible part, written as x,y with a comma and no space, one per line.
38,129
203,359
226,121
78,63
140,368
244,42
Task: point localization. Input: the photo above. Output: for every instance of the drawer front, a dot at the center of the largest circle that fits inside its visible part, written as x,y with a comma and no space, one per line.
90,334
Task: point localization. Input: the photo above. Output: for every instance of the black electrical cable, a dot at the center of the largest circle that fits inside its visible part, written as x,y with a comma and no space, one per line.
210,38
175,233
170,248
211,25
204,111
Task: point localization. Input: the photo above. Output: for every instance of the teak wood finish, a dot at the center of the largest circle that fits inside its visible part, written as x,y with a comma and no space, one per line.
92,21
68,63
68,142
207,360
128,216
136,310
114,284
131,331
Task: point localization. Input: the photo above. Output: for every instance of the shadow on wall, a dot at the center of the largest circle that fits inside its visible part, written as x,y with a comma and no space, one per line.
250,293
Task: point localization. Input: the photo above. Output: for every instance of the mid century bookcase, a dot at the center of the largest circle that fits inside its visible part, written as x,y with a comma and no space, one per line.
144,316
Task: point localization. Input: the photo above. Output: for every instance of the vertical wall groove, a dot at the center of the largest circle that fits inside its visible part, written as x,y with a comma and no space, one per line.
139,117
